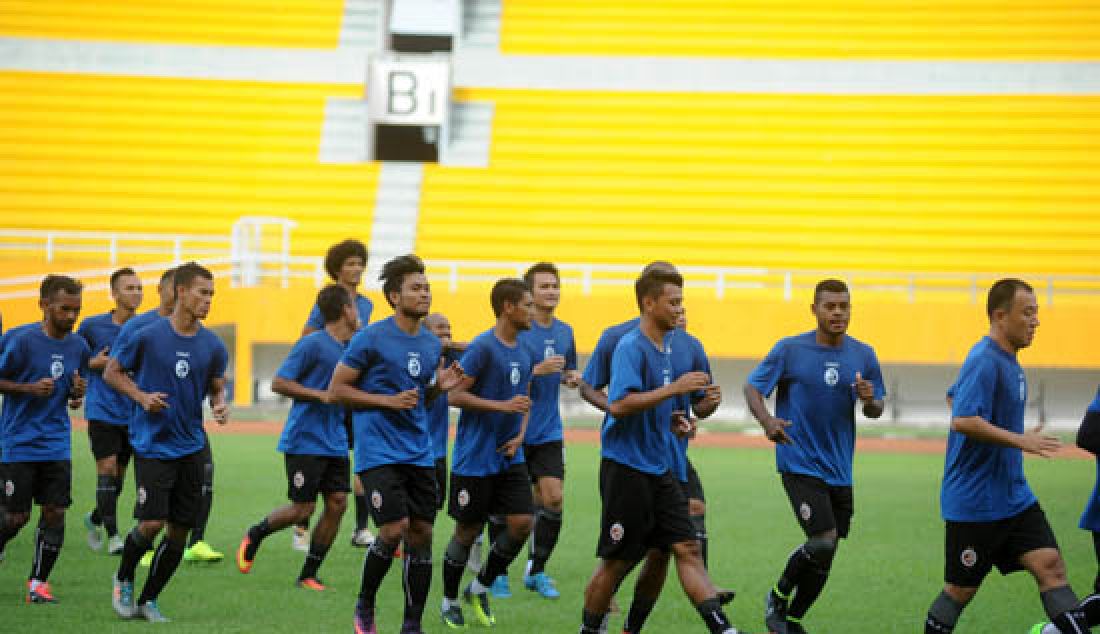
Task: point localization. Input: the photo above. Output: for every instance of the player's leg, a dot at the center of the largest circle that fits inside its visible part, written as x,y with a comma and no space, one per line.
548,472
468,505
422,492
1032,541
17,495
969,553
110,516
53,482
601,587
362,537
335,486
197,547
385,487
512,500
1076,621
647,589
697,509
103,442
303,475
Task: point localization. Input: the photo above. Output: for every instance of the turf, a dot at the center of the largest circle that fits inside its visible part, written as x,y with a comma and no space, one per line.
884,577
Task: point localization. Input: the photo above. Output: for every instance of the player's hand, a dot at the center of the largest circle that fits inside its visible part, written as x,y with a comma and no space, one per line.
571,379
220,412
405,400
75,403
690,382
518,404
153,402
683,425
549,365
41,388
80,386
712,396
103,357
1040,444
776,430
447,379
865,390
510,448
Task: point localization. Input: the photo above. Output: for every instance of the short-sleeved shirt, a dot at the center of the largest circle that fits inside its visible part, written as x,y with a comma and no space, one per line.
641,441
983,482
816,394
439,414
102,403
133,326
500,372
598,371
542,343
1090,519
181,366
686,354
317,321
38,429
391,361
313,428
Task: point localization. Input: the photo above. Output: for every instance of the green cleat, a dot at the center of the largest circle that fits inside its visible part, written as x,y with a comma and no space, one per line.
452,617
1037,628
480,605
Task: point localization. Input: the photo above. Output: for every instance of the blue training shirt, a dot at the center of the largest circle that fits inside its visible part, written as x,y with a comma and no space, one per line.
542,343
34,429
391,361
162,360
439,415
983,482
317,321
642,441
500,372
1090,519
313,428
686,354
598,371
817,396
103,403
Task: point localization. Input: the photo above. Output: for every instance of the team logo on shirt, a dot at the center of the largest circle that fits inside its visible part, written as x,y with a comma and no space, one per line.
516,374
183,368
805,512
9,488
616,532
832,374
414,364
969,557
463,498
57,368
299,479
142,496
376,499
667,376
548,351
1023,387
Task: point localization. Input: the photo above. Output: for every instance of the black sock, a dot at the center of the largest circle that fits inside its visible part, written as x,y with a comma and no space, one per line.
375,567
256,534
942,615
699,522
48,541
361,511
165,561
1080,618
502,553
454,563
207,502
418,580
496,526
591,622
716,620
809,588
134,547
544,538
640,608
106,504
314,559
96,518
792,573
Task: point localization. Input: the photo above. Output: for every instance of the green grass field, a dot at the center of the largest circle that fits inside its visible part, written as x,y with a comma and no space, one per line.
883,580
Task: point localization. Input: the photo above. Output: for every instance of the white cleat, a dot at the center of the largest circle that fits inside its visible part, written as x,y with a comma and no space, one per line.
115,545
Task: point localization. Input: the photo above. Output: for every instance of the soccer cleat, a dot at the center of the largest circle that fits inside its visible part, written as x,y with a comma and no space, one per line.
147,559
115,545
364,620
480,605
311,583
362,538
473,563
151,613
1040,628
246,554
725,597
452,617
122,598
500,589
542,584
794,627
300,541
200,551
95,539
775,613
39,592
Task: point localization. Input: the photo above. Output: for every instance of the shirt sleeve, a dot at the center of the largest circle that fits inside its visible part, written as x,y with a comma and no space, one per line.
12,357
357,354
297,363
767,374
571,351
86,331
85,357
597,372
873,374
699,363
315,320
627,372
974,390
128,353
220,359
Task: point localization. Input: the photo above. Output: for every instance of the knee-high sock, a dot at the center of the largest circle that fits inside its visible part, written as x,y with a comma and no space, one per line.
699,522
503,552
314,558
418,580
375,566
106,503
454,563
544,538
165,561
47,547
361,511
135,546
942,615
199,533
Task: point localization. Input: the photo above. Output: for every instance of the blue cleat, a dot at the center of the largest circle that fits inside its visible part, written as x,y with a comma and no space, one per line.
542,584
500,589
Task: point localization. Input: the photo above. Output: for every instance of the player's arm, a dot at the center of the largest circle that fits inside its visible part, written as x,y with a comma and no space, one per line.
218,404
635,402
774,428
1031,441
121,382
512,446
446,379
595,398
40,388
343,390
295,390
706,406
463,398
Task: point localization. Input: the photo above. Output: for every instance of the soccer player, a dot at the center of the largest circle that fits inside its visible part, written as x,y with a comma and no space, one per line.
438,411
314,440
345,262
390,375
176,363
40,375
107,411
822,375
643,505
489,476
991,515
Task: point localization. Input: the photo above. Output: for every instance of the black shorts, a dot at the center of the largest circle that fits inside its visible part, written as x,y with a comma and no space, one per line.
546,460
971,549
170,490
110,440
306,476
398,491
46,483
818,506
441,481
640,511
474,498
693,488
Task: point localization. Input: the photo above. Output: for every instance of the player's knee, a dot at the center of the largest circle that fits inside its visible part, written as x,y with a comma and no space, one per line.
17,521
394,531
107,466
554,501
465,534
52,532
150,528
457,553
959,594
696,507
821,550
336,503
508,545
687,549
548,513
1052,571
519,526
303,510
